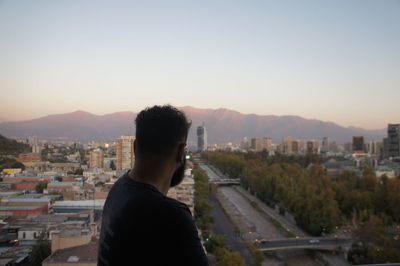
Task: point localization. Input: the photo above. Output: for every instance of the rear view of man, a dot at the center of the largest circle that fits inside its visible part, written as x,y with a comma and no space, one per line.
141,225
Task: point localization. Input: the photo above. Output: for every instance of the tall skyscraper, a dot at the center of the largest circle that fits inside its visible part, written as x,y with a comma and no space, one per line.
358,144
287,145
96,159
201,138
124,151
393,140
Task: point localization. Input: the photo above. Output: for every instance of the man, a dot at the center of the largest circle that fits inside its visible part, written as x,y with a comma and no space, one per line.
140,224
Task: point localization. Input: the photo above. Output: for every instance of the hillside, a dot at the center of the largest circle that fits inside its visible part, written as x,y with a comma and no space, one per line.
223,125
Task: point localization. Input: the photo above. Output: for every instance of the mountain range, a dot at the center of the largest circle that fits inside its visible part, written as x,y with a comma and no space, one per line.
223,125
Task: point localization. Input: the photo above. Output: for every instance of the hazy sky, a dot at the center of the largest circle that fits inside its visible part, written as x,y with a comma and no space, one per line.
331,60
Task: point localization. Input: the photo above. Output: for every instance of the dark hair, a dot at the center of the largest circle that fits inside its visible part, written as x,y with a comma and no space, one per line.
160,129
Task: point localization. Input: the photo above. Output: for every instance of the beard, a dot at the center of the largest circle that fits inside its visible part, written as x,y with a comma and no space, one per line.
179,174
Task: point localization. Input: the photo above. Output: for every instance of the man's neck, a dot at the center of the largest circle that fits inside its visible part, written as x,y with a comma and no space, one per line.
157,179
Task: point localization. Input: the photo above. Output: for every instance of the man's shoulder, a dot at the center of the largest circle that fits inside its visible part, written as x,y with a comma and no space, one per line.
176,205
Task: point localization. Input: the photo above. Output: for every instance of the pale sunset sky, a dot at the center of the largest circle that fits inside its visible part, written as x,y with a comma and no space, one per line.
335,61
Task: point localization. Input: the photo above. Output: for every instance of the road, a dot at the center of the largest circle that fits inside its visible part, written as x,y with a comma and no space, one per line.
222,226
250,218
272,213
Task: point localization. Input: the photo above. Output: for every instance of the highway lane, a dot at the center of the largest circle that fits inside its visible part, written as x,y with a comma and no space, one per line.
258,226
222,226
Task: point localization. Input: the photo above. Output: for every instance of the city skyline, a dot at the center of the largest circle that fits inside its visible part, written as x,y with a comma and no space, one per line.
332,61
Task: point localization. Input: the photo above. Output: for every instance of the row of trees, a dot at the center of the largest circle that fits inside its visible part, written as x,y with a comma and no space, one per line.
214,244
318,202
201,206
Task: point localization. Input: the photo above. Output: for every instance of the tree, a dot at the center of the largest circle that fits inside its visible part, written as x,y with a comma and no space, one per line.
112,165
41,250
11,146
40,186
214,242
228,258
59,178
79,171
18,165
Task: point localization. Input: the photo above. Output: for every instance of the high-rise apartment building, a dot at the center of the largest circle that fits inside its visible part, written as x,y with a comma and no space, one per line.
201,138
297,146
266,143
374,147
124,152
312,146
36,147
358,144
244,144
96,159
326,143
287,145
393,140
256,144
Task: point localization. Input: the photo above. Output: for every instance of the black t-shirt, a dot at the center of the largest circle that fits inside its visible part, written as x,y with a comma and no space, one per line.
141,226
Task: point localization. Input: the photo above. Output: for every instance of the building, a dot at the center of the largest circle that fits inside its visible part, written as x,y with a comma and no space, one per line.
82,255
75,206
266,143
325,147
96,159
124,152
244,144
286,145
23,178
393,141
34,142
201,138
358,144
69,190
374,147
29,157
23,210
297,146
312,146
256,144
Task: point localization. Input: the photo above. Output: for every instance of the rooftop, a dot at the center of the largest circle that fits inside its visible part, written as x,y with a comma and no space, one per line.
79,203
17,208
85,253
61,184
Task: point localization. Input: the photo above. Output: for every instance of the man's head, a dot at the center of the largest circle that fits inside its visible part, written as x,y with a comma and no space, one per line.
161,134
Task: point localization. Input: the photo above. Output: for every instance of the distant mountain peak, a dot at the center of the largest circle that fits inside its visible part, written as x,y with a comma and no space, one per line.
79,112
223,125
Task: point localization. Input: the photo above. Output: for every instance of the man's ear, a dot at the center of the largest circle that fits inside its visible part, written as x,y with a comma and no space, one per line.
181,152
